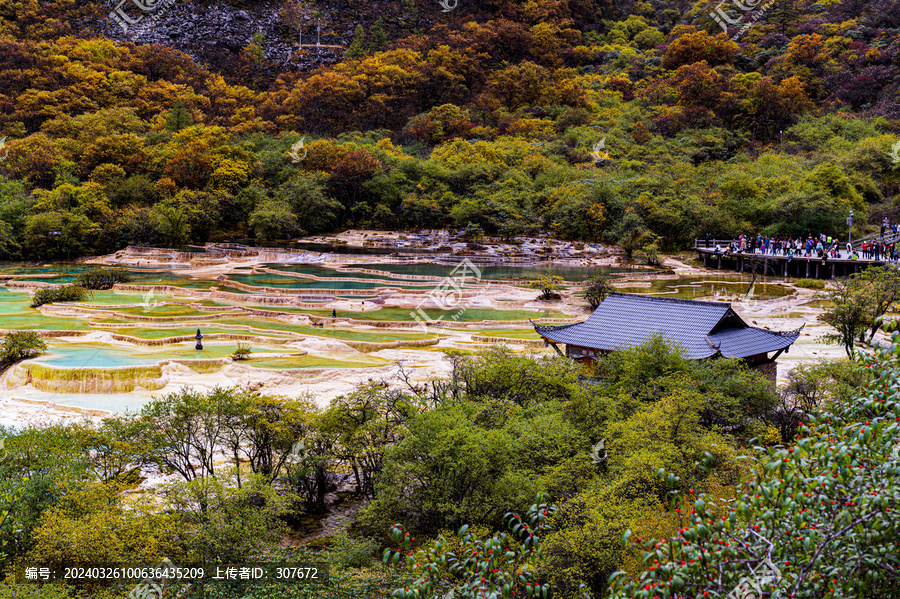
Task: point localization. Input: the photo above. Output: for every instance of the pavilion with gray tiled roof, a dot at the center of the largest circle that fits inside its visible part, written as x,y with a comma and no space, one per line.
702,329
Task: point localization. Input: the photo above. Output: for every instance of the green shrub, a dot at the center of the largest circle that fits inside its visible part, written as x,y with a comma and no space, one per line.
63,293
90,524
232,523
56,590
241,353
318,543
347,552
811,283
502,565
548,286
597,290
103,278
21,345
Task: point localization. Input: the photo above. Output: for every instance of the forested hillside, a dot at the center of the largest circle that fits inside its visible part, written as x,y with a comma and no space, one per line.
626,122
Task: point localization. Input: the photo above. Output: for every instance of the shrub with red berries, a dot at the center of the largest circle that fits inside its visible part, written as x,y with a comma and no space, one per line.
818,519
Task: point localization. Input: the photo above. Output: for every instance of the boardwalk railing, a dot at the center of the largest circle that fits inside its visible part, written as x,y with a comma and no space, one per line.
889,238
700,244
797,265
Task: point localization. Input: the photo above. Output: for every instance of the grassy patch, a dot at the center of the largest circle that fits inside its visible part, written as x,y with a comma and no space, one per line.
811,283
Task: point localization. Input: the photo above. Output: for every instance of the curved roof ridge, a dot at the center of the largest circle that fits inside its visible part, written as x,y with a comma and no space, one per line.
649,297
791,333
553,327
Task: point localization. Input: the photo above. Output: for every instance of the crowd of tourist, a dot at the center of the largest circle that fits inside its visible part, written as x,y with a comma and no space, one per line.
821,247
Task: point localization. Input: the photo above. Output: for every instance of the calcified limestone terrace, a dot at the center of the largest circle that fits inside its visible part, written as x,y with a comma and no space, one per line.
119,348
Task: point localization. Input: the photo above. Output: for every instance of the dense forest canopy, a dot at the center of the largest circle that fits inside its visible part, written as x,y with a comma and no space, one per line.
635,122
638,123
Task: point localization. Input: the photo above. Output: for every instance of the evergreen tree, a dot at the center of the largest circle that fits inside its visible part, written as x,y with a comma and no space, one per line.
178,118
357,47
379,37
255,48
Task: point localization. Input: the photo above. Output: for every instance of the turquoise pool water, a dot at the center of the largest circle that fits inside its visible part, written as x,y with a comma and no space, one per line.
16,268
16,314
689,287
68,273
110,298
97,355
469,315
323,271
169,278
284,282
494,272
118,403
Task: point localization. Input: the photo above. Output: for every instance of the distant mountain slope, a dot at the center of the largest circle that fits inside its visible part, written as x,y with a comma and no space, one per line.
638,123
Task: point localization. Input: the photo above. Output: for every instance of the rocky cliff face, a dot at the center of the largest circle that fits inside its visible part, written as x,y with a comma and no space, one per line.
215,34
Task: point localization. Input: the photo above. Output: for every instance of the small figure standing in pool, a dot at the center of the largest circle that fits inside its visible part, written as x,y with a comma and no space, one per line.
334,313
199,337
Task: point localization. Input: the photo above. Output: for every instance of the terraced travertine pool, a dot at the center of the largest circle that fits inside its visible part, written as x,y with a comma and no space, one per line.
12,268
142,332
695,286
15,314
285,282
277,326
308,361
121,298
62,354
469,315
257,326
324,272
500,272
107,402
509,333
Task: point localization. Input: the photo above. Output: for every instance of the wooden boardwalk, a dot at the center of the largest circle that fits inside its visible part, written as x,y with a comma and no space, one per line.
777,264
